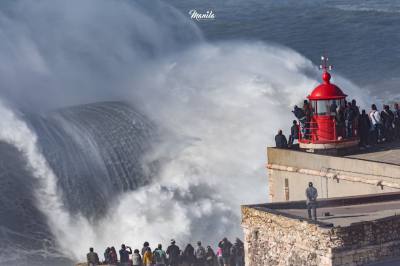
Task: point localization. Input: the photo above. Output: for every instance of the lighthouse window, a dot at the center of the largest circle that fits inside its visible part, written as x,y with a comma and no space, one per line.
326,107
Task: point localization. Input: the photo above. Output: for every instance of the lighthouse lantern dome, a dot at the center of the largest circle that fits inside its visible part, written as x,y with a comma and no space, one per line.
326,90
327,96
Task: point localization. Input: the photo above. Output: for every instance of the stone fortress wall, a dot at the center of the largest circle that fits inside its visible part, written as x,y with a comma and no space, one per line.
273,237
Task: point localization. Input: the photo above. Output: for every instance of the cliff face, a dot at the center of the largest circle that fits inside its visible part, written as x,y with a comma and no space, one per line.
274,239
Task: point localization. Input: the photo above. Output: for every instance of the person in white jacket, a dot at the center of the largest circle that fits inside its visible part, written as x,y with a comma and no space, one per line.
376,122
136,258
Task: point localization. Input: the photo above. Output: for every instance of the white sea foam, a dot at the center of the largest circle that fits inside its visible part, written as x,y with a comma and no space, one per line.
223,104
378,7
16,132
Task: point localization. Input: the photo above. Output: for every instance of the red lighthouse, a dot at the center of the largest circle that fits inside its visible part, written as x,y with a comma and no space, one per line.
324,132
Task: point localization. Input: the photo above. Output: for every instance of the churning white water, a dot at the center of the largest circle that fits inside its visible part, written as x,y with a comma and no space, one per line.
16,132
221,104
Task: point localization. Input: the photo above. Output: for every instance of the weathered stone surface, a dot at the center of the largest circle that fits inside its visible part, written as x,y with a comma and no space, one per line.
276,240
273,239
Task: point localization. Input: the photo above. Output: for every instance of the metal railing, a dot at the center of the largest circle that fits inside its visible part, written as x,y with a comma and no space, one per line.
309,131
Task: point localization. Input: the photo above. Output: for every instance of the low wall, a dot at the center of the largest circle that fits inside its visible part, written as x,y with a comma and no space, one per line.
368,242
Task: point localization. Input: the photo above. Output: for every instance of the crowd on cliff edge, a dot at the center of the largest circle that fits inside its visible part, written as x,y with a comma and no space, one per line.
373,127
227,254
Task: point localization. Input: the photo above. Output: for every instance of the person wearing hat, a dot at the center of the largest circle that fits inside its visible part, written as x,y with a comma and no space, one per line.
311,194
173,253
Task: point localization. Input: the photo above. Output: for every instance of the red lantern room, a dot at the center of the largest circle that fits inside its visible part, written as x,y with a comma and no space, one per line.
322,130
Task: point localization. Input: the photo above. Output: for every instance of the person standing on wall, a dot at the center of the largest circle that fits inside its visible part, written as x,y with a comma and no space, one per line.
312,194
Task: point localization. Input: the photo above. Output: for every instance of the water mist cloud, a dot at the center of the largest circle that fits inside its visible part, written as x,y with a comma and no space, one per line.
223,103
56,52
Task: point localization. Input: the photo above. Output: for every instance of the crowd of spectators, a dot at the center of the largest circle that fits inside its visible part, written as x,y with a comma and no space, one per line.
374,127
227,254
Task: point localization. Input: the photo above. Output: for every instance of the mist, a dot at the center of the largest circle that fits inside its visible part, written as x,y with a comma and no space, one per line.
58,53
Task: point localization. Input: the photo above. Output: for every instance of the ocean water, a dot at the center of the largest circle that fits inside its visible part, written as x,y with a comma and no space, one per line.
359,37
125,121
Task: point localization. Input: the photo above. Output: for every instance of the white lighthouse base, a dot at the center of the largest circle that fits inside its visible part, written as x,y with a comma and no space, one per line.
331,148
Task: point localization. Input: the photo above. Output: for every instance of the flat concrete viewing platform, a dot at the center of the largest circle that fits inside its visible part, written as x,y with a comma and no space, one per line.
339,212
383,153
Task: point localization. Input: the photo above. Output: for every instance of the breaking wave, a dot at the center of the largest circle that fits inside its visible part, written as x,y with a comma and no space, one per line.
388,7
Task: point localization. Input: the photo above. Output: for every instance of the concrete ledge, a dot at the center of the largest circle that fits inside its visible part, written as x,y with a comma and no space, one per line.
359,167
332,202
